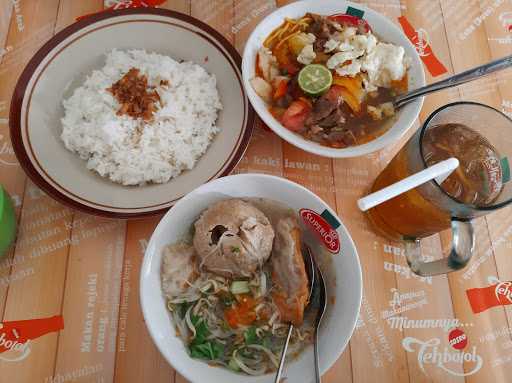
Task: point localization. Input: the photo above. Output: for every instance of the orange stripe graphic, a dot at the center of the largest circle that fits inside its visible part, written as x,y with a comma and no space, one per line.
434,66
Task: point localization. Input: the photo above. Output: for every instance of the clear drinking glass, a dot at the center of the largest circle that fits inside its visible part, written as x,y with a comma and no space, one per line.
480,185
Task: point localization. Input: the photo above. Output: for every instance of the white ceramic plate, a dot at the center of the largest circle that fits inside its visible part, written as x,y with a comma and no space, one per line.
381,26
62,64
342,272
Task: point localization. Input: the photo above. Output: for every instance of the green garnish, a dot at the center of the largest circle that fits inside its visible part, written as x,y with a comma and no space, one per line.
250,336
235,249
210,350
239,287
200,347
202,331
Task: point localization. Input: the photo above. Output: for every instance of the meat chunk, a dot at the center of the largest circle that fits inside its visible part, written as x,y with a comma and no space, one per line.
320,28
337,117
233,238
291,285
179,268
343,137
325,105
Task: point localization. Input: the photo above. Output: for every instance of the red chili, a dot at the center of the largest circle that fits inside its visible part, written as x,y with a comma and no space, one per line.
343,18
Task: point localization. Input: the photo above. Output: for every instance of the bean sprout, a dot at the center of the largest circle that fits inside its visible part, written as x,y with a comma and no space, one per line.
245,368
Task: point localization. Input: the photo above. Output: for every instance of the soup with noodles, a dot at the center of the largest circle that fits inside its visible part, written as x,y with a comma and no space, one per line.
234,286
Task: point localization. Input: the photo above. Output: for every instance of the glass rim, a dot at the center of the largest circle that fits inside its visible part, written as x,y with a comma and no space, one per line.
422,134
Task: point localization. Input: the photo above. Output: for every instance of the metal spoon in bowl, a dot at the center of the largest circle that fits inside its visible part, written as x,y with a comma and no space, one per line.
310,271
318,300
460,78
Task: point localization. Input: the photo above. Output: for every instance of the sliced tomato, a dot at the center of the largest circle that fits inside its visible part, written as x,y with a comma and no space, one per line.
290,68
296,114
354,21
306,100
277,112
334,93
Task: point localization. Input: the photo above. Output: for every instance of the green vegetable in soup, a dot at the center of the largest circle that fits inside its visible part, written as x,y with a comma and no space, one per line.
239,287
250,336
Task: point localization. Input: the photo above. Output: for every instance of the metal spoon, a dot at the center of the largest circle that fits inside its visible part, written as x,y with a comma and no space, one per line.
318,299
310,271
460,78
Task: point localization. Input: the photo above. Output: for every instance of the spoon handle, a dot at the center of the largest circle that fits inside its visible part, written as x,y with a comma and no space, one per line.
460,78
283,355
318,378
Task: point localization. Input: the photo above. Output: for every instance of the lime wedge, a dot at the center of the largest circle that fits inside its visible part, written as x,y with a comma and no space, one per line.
315,79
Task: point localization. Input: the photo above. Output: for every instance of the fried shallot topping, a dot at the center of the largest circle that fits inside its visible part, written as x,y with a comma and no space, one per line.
137,99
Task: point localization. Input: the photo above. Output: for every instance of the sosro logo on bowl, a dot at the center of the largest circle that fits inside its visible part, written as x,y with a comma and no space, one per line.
324,226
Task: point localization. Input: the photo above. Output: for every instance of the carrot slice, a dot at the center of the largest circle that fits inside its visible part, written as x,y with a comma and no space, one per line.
282,54
281,88
259,72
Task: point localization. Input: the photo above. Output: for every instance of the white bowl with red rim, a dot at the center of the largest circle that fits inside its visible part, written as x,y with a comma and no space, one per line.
381,26
324,232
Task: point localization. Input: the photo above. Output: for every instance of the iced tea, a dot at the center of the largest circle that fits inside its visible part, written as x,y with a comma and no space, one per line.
418,213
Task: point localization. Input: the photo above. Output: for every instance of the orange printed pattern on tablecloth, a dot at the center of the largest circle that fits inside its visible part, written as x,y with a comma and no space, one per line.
484,298
434,66
16,335
128,4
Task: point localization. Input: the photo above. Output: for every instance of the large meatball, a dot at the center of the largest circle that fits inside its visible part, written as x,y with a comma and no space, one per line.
233,238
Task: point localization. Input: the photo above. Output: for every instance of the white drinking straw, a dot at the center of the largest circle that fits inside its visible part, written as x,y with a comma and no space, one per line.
439,172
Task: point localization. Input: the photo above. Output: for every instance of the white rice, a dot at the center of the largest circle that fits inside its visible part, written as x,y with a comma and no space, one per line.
131,151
